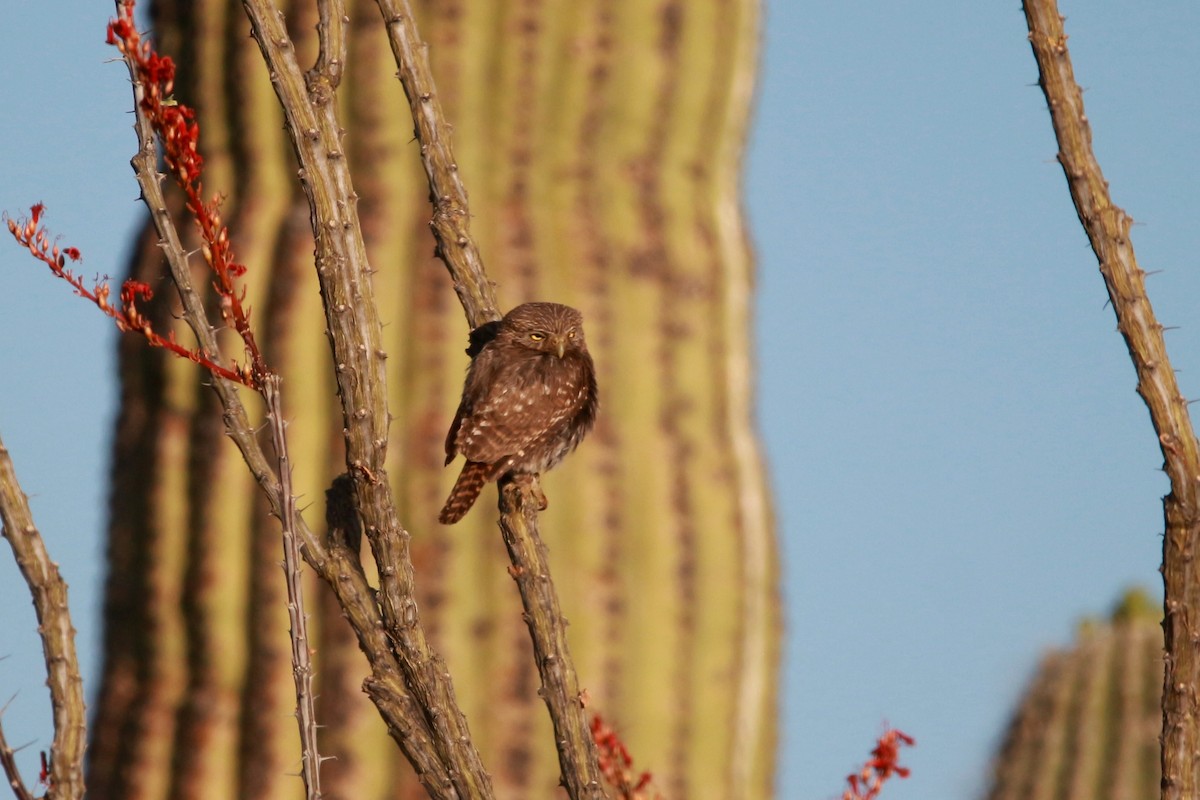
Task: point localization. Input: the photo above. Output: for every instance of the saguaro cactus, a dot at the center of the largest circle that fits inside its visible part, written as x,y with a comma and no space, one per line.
601,142
1088,724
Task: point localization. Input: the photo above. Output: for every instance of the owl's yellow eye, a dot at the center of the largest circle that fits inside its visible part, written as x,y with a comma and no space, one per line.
537,337
571,333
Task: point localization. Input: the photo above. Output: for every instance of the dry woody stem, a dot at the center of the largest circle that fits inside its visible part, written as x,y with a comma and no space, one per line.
577,754
451,217
336,566
8,763
578,757
49,592
355,338
1107,228
187,172
302,669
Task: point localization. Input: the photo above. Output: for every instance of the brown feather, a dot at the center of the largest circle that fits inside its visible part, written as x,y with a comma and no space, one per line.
466,490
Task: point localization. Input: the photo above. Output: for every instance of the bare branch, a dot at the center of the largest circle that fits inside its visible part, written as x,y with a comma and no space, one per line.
451,222
578,758
356,339
302,670
577,755
9,764
337,567
49,592
1108,228
331,60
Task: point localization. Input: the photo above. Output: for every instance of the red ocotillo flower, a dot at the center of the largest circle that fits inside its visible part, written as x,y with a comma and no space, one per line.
867,783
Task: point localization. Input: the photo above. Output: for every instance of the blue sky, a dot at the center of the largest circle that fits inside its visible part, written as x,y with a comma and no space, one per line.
962,468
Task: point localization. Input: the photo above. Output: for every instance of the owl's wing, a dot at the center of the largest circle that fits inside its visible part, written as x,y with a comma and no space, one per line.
452,434
508,417
480,375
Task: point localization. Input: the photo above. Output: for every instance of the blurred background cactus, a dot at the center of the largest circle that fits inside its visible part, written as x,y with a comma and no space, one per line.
1088,725
601,142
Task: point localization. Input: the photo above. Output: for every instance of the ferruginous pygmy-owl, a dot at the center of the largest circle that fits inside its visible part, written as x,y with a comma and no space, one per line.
529,399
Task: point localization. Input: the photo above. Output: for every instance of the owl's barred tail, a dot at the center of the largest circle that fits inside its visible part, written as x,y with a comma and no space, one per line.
466,490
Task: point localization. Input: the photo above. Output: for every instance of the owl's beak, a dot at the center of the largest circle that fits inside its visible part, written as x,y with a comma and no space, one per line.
560,345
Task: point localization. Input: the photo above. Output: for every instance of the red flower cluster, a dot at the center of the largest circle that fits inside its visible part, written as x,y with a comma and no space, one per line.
883,764
174,123
616,763
175,126
32,235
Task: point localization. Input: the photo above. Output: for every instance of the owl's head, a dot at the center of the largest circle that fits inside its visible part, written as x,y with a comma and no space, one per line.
545,327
